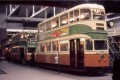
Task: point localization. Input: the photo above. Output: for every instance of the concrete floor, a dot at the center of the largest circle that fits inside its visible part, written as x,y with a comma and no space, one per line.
23,72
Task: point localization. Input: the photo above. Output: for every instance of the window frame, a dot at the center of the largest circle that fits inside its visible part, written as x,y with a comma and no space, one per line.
48,25
56,20
64,46
91,44
63,18
85,10
106,46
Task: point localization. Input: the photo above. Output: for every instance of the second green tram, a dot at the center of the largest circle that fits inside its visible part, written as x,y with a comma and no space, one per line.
22,46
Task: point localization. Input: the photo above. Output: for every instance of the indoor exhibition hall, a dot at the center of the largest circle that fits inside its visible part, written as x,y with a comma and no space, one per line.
59,40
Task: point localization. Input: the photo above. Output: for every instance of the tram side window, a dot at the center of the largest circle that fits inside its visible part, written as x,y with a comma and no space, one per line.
89,45
31,38
12,50
38,38
72,19
25,35
85,14
55,46
31,50
48,47
15,50
25,50
42,28
38,28
21,37
28,40
64,19
76,15
18,50
17,38
100,45
55,23
42,47
63,45
48,25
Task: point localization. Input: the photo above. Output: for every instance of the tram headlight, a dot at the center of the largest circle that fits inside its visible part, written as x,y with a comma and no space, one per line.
111,24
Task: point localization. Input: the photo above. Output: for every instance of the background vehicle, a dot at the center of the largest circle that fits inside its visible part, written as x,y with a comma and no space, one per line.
22,46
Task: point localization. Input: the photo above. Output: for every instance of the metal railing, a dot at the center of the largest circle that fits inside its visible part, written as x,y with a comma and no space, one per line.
114,53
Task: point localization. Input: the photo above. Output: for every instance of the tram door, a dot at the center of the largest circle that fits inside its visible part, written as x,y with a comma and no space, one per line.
80,53
76,53
21,54
72,54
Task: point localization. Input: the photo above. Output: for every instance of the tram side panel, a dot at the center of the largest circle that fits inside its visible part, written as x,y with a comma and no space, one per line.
96,60
76,56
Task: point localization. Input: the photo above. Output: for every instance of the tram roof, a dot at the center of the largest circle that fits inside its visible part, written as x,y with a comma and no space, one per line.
24,33
87,5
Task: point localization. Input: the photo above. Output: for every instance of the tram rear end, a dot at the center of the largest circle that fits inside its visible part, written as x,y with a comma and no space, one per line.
98,58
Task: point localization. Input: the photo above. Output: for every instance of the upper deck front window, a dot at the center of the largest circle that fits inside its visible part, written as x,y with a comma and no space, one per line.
85,14
31,38
98,14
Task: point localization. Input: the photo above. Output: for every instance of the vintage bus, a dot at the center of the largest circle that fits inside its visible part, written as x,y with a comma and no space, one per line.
22,46
75,39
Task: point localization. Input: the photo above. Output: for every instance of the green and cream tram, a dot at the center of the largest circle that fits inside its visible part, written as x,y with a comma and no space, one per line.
76,38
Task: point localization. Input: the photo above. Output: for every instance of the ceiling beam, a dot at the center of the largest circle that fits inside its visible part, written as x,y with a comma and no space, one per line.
36,13
109,14
118,17
13,11
21,19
